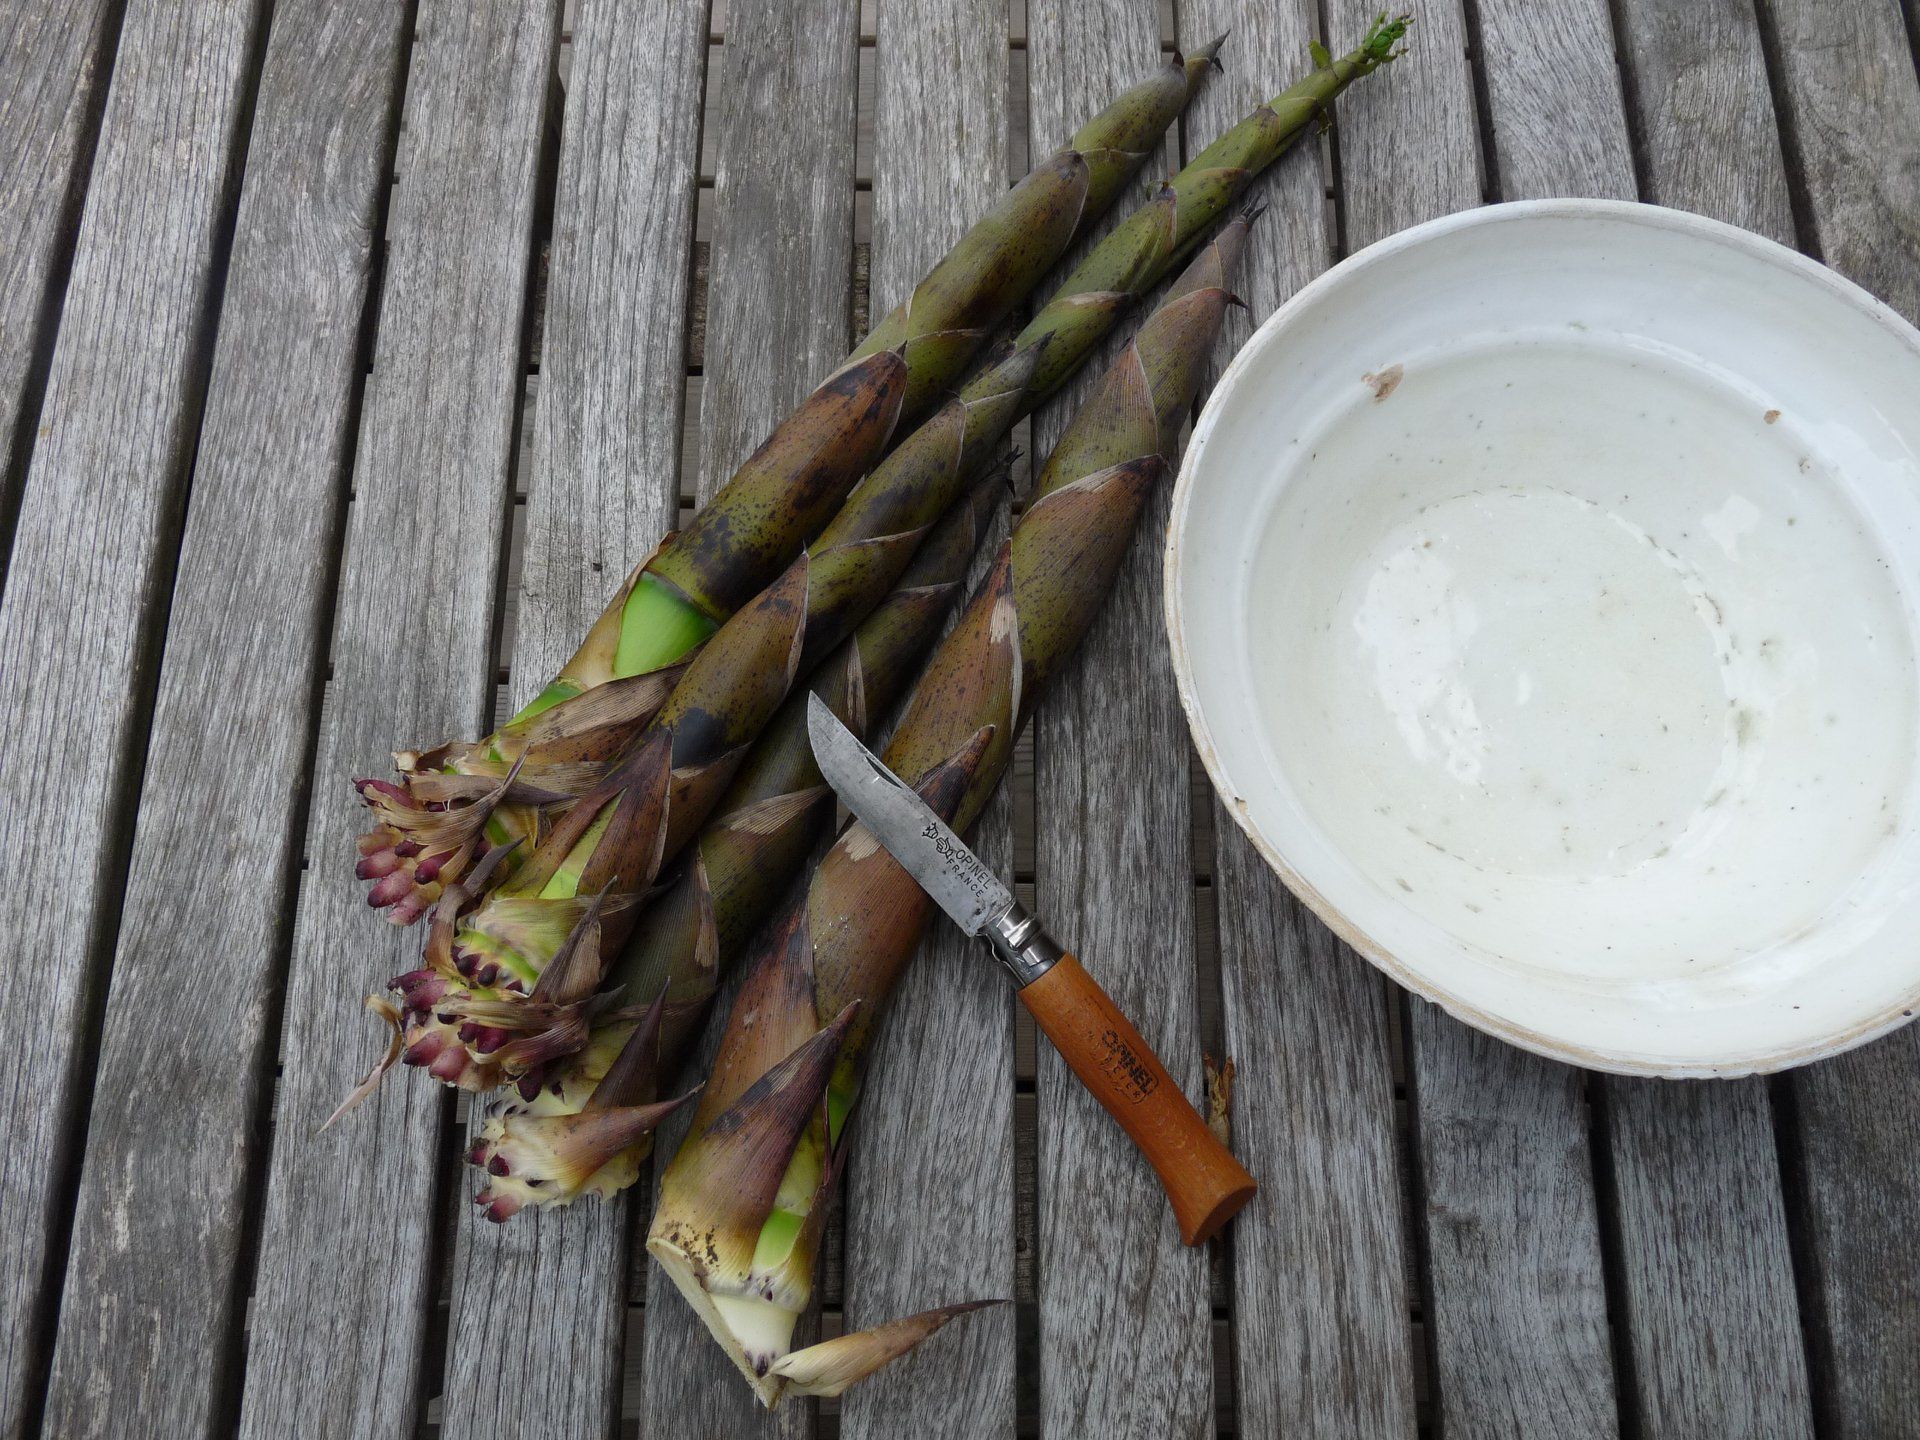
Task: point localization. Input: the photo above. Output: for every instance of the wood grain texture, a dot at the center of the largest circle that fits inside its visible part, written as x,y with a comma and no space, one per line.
1848,88
1709,139
53,70
92,554
779,291
1553,98
1323,1348
604,489
930,1188
1406,137
341,1298
1518,1320
1322,1351
1711,1315
1125,1323
197,965
1707,1279
778,301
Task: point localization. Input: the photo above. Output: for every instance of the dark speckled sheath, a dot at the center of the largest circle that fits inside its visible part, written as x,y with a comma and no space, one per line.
795,482
831,955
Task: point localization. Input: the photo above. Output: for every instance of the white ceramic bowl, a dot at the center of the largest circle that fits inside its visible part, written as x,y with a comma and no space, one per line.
1541,586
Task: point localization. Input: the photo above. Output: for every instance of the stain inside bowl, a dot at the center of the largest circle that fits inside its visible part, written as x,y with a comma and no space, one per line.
1586,656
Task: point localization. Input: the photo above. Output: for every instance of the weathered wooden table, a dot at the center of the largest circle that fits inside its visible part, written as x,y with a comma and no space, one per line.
349,353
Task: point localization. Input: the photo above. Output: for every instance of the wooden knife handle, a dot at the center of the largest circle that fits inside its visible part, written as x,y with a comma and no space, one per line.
1205,1183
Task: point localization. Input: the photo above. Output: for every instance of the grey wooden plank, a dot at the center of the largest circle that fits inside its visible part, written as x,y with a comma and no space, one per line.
1557,122
1697,79
1712,1318
778,292
1319,1273
1518,1318
1711,1315
1407,136
1852,107
1125,1323
604,489
930,1188
1861,1187
1518,1310
247,632
343,1287
92,554
54,64
778,301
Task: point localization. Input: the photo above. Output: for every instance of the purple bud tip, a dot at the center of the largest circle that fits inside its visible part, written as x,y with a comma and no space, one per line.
390,888
450,1065
487,973
477,1153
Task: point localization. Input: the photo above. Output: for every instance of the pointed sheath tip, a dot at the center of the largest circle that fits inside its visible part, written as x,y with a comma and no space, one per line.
1018,365
1209,53
634,1076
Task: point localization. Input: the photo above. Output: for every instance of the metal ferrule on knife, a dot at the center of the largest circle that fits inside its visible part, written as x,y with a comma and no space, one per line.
1023,947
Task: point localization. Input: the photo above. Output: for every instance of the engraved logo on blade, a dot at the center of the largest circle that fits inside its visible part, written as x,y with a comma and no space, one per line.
1127,1071
965,864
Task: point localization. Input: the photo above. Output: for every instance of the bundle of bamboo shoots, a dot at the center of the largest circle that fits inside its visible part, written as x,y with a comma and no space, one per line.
557,959
743,1203
453,803
469,1026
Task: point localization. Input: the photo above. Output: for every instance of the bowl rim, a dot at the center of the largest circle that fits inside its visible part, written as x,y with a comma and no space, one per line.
1661,217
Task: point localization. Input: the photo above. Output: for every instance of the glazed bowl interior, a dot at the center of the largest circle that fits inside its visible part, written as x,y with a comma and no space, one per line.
1541,585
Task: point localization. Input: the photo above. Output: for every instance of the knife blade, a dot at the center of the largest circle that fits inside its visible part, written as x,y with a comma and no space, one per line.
1203,1181
954,877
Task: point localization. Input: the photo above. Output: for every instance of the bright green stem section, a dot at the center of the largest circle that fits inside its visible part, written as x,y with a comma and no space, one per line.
556,691
565,883
657,626
795,1195
777,1235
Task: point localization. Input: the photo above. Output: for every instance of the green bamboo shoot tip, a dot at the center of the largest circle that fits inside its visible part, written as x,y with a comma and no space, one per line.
658,626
